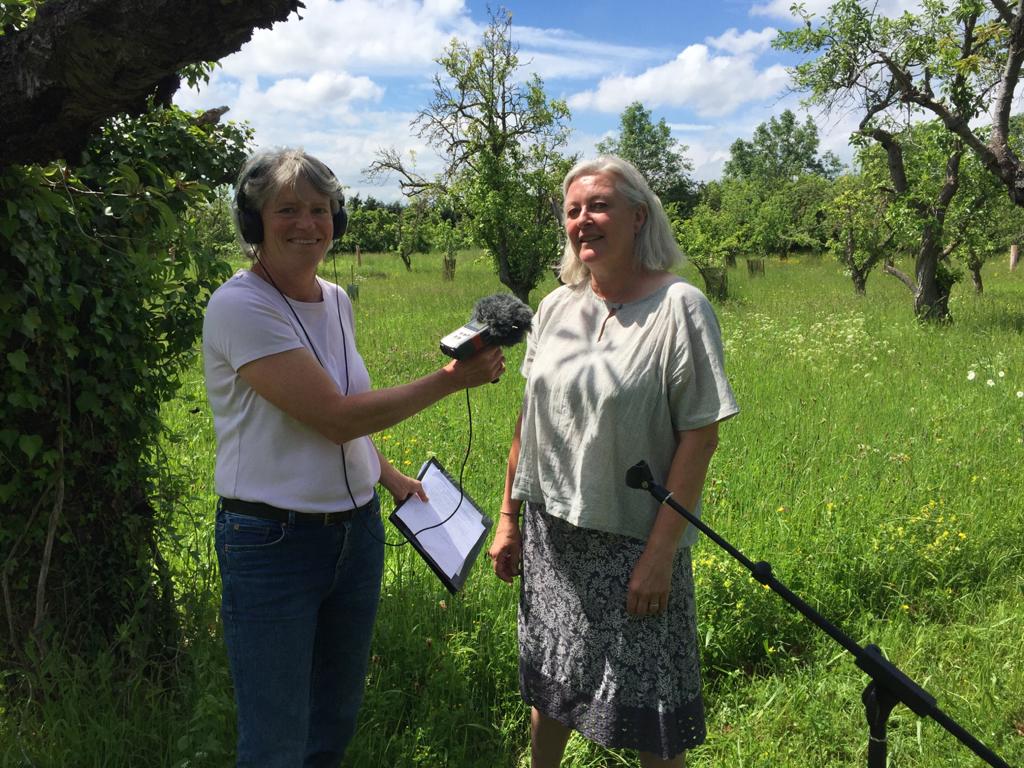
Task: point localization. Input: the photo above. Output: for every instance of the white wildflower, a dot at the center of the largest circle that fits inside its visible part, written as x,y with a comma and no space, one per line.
971,375
990,383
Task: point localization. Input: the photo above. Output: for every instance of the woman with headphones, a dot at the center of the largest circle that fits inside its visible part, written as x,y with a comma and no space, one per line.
298,533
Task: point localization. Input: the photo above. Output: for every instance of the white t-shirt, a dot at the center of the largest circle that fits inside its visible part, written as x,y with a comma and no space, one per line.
606,389
263,454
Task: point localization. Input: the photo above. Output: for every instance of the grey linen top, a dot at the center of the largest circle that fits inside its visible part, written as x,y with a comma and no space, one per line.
608,385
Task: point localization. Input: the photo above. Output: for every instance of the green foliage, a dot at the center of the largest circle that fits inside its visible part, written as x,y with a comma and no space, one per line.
413,231
512,212
655,153
952,60
859,238
764,220
15,15
500,136
776,185
854,421
371,229
707,240
103,294
781,150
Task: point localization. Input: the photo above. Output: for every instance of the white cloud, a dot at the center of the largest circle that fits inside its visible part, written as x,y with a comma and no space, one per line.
737,43
382,36
327,91
558,53
710,85
690,127
781,8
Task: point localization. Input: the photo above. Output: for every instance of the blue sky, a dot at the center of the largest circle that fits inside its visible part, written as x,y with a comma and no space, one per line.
347,78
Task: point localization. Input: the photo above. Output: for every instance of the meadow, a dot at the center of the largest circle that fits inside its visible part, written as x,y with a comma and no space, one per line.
878,464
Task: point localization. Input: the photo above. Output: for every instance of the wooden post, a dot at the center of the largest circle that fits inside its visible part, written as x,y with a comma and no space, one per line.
1014,256
359,257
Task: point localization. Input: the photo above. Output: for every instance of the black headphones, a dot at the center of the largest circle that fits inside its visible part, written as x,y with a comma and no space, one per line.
250,222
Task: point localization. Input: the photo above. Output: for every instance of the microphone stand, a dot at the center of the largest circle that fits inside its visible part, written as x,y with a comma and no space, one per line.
889,686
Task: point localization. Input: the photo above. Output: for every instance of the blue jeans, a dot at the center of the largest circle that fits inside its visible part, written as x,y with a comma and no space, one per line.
298,607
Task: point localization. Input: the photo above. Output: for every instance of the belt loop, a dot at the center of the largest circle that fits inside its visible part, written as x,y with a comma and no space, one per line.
292,514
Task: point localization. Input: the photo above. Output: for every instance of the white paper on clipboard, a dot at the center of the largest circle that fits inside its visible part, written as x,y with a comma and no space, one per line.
452,546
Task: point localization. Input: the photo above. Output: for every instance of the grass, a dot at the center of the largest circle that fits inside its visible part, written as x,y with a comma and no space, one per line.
881,481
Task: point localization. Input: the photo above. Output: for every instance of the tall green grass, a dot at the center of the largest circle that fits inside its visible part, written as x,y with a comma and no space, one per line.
882,481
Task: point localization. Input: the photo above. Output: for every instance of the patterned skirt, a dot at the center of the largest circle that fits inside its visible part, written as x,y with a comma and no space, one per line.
621,681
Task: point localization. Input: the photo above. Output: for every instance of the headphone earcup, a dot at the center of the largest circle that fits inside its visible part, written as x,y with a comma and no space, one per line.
340,222
250,226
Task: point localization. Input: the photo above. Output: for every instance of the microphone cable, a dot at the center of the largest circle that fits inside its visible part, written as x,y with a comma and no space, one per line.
344,465
348,381
344,348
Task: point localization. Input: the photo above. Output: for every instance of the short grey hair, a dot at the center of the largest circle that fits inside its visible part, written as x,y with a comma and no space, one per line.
268,171
656,247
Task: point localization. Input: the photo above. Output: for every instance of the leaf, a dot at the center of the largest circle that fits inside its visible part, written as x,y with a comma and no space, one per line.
31,322
88,401
30,444
169,219
18,360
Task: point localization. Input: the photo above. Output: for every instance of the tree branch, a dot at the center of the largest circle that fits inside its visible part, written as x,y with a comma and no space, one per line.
954,122
83,61
1004,11
903,277
1005,163
51,534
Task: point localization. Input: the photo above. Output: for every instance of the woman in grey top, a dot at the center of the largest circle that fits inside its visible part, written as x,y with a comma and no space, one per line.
624,362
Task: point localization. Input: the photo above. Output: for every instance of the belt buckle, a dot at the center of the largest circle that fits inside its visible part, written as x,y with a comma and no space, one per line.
331,518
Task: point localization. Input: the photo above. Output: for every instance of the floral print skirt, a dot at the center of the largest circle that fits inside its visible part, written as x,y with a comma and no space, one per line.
621,681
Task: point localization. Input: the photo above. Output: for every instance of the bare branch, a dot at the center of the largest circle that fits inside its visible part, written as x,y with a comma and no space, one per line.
390,161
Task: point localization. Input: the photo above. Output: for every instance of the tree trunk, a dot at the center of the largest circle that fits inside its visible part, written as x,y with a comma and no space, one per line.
449,264
975,270
716,282
931,302
83,61
1014,256
860,281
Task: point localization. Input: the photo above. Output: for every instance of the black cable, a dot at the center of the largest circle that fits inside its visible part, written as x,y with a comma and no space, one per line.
344,348
462,469
344,465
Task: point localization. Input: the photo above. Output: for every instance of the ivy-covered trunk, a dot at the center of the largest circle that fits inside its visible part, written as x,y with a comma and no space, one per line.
103,286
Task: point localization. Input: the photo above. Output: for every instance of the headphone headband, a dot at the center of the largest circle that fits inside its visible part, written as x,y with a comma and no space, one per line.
250,220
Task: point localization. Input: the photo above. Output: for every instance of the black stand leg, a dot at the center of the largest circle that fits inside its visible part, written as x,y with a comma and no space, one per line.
889,686
878,704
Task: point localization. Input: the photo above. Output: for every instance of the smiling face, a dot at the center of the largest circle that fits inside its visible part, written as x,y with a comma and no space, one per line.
297,225
602,223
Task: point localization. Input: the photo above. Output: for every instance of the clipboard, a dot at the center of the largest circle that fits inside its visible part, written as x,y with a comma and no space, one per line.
449,549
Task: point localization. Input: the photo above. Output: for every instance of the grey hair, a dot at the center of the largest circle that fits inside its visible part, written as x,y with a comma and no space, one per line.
268,171
655,247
